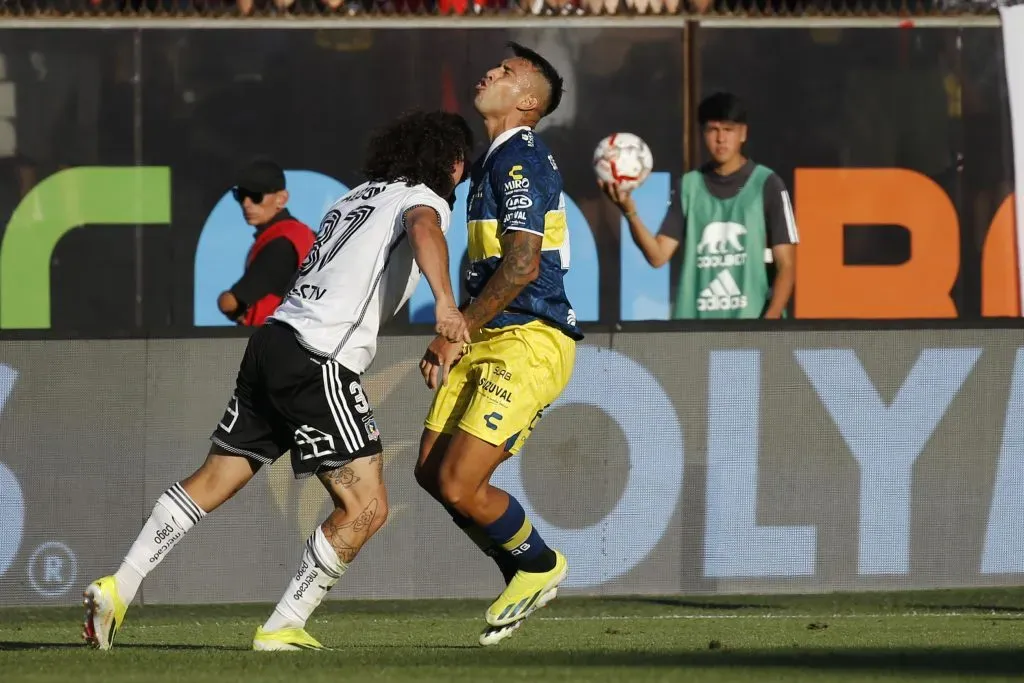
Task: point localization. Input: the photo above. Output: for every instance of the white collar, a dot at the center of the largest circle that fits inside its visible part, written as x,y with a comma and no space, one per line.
503,138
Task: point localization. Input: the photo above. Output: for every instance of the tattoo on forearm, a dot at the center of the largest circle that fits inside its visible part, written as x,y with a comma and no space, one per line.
348,537
519,263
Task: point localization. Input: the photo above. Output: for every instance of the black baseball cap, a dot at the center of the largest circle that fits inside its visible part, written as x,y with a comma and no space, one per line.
261,176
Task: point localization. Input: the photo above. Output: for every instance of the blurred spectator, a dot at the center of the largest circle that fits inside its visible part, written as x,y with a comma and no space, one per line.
735,218
281,245
57,104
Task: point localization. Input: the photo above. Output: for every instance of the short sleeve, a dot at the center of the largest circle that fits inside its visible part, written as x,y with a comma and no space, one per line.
674,224
423,196
778,213
524,192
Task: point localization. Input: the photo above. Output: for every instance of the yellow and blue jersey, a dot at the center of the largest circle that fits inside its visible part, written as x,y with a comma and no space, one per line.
517,186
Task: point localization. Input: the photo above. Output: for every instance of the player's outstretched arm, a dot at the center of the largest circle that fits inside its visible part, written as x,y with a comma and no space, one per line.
430,250
657,249
520,265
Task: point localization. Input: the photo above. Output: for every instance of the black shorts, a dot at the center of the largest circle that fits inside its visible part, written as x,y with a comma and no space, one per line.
288,398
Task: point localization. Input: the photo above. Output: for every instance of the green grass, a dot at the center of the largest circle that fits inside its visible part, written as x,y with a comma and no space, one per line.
917,636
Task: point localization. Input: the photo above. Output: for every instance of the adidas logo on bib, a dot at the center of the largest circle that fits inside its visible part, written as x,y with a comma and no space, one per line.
723,294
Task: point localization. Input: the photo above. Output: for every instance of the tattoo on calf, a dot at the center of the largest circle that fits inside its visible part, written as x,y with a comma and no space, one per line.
348,538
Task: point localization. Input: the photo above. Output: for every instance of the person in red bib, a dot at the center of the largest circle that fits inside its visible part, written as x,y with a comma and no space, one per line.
281,245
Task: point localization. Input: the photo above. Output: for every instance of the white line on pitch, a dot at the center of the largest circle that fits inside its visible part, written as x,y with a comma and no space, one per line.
880,615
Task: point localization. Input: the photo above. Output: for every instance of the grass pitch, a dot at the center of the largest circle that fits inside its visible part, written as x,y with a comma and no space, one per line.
917,636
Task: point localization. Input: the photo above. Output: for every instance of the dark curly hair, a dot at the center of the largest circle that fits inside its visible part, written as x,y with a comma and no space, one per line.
420,147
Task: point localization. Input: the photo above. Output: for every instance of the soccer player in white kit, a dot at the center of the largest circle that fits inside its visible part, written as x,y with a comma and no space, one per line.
298,384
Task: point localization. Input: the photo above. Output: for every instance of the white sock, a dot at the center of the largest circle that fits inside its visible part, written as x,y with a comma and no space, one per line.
174,514
319,569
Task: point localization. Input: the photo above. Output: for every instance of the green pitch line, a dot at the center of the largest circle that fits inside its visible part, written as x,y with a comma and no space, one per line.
918,636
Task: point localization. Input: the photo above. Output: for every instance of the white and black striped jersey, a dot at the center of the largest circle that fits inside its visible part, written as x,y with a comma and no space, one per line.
359,272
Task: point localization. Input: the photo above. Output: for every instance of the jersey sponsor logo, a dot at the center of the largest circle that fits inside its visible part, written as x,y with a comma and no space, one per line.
551,160
520,185
311,292
571,318
528,138
516,172
720,246
492,420
723,294
518,202
516,216
496,390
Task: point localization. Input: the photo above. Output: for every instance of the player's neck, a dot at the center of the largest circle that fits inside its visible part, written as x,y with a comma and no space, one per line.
731,166
497,126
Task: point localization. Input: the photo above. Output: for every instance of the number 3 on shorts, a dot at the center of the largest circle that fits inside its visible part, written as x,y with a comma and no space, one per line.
359,398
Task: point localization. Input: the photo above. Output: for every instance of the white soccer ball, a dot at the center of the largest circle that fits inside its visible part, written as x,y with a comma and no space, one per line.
623,159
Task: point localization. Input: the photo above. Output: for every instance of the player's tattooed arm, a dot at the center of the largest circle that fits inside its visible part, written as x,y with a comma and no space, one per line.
520,265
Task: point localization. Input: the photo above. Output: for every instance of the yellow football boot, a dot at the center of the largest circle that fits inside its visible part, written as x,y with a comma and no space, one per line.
104,613
284,639
523,594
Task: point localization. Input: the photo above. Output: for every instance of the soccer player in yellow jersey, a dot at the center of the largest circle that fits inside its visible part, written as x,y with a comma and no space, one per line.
523,343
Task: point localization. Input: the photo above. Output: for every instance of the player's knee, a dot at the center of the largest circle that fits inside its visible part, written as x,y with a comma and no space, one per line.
381,517
426,477
372,509
457,495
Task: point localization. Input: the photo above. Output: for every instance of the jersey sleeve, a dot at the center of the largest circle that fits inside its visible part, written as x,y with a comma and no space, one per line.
778,213
524,191
422,196
674,223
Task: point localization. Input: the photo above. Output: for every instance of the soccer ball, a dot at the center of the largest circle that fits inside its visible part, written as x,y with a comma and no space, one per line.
623,159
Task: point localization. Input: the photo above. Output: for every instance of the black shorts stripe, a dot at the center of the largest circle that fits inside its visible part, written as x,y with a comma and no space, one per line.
343,397
331,396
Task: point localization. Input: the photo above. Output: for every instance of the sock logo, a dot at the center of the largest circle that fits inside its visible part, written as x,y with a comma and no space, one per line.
521,549
304,586
163,534
171,540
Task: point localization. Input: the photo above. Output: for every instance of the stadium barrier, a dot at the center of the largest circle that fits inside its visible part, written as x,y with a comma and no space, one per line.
676,462
896,145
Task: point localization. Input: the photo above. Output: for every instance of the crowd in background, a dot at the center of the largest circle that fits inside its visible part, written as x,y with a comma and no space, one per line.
512,7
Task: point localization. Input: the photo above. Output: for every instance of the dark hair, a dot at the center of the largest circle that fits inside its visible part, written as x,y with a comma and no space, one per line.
549,72
420,147
722,106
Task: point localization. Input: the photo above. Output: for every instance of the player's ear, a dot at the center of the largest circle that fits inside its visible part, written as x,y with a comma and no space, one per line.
282,199
743,133
529,102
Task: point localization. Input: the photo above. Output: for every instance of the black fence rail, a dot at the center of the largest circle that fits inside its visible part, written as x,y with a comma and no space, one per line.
510,8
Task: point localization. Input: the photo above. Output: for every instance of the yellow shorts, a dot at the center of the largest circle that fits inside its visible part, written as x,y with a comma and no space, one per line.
499,389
